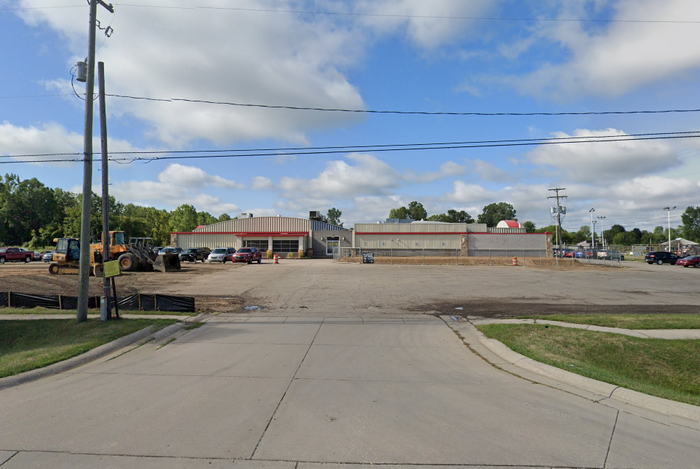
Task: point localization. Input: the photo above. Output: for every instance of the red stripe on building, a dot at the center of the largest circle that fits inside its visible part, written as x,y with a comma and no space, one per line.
244,233
443,233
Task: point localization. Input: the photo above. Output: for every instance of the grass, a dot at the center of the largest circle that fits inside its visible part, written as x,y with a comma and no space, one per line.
664,368
92,311
628,321
26,345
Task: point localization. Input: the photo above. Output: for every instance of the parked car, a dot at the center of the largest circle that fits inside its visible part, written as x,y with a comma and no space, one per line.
221,255
689,261
195,254
661,257
15,255
170,250
229,254
611,255
47,256
36,255
248,255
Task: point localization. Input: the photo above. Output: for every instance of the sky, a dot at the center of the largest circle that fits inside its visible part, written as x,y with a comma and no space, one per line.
488,56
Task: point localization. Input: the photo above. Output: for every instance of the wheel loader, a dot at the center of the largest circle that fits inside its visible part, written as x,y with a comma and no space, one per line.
136,255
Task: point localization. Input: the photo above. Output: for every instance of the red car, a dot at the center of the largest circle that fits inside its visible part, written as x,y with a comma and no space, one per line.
248,255
15,255
690,261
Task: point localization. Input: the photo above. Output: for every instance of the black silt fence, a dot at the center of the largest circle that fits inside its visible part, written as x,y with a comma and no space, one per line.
184,304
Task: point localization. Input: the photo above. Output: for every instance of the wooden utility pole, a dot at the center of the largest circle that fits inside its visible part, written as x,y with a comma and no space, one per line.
558,210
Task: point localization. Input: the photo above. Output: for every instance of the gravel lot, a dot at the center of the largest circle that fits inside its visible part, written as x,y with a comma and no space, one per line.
318,287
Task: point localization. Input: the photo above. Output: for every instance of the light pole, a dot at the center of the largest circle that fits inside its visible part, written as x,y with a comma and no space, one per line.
592,229
668,219
602,229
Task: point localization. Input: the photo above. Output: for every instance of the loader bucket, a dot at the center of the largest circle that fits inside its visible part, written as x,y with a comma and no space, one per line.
167,263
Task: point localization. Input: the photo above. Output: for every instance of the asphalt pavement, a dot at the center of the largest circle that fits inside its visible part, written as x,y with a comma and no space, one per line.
306,392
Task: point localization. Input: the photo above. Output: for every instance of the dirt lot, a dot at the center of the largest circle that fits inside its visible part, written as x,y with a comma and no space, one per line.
309,287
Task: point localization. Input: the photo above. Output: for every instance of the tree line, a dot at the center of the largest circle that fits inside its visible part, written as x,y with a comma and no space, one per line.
492,213
32,215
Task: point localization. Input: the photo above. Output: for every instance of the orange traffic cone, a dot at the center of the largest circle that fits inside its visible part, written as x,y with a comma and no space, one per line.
277,259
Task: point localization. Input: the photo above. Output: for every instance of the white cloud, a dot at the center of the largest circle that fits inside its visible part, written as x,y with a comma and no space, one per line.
210,53
427,23
490,172
261,183
193,177
49,138
367,176
601,162
176,185
447,169
624,56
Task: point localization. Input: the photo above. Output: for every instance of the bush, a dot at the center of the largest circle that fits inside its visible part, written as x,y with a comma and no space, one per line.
269,254
300,253
290,255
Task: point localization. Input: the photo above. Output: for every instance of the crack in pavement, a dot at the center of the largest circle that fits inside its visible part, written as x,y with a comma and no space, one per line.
607,453
289,385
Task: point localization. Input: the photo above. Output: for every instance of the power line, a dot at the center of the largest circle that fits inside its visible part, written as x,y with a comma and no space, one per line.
375,15
399,112
329,152
370,147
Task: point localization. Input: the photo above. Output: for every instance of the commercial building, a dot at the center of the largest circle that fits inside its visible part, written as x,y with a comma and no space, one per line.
282,235
449,239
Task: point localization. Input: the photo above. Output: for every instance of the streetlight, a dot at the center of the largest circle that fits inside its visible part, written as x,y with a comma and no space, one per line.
592,229
602,230
668,218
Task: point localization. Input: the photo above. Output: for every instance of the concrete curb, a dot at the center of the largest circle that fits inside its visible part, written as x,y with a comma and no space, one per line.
669,334
144,335
606,391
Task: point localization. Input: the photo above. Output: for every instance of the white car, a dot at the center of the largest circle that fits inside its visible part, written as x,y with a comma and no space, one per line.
220,255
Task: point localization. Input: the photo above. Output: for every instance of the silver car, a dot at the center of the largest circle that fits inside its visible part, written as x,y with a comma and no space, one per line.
219,255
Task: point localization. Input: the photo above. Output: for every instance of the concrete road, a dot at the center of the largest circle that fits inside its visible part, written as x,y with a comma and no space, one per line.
317,287
320,392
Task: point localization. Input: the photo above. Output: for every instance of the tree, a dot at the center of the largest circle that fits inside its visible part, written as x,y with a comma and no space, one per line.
495,212
183,218
400,213
529,227
333,216
414,211
691,223
224,217
452,216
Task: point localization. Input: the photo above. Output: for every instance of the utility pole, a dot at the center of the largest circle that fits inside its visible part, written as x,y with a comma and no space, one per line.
84,277
558,210
105,310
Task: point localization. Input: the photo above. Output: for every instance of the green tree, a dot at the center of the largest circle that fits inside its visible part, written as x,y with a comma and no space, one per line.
691,223
224,217
333,216
452,216
529,226
401,213
183,218
416,211
495,212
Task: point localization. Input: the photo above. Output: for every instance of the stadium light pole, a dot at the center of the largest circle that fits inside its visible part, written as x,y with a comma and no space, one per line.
591,211
668,221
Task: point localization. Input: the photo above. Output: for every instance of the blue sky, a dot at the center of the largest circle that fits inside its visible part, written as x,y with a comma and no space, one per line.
437,55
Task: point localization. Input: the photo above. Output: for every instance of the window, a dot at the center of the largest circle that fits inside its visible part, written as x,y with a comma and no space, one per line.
261,244
285,245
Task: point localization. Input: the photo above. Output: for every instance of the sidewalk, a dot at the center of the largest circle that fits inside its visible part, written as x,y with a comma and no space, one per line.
29,317
641,333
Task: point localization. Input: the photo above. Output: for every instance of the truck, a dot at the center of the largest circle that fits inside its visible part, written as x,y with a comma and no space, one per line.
15,255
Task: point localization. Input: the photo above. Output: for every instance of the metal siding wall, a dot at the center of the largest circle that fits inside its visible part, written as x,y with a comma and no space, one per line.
529,245
187,241
437,241
261,224
410,227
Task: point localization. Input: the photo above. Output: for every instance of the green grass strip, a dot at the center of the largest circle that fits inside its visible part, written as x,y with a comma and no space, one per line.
26,345
664,368
628,321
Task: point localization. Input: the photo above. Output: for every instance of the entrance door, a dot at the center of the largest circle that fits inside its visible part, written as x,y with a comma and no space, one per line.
333,246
